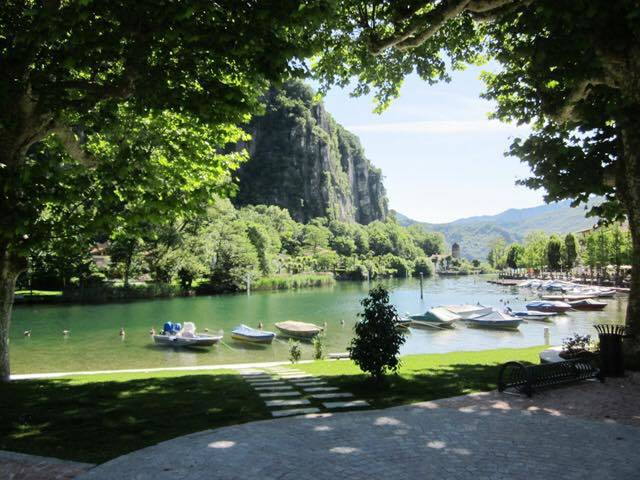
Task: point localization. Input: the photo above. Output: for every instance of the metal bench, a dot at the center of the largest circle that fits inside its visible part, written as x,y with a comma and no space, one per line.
525,378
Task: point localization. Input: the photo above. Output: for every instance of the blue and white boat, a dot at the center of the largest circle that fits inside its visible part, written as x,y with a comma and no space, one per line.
532,315
548,306
244,333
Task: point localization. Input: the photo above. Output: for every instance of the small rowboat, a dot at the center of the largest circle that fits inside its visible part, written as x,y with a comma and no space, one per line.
588,304
467,311
244,333
438,316
494,320
302,330
549,306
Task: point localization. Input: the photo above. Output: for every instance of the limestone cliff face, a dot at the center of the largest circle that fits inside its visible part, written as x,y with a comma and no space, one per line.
302,160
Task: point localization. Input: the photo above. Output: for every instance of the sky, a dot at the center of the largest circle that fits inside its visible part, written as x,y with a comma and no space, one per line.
442,158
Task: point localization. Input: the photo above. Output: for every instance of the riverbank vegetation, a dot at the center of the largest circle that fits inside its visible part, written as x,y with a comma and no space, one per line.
603,251
228,249
95,418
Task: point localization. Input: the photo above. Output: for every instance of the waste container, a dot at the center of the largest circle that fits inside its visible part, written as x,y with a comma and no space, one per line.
611,354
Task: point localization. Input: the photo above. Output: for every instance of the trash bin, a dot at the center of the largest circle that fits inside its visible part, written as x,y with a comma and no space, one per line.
611,354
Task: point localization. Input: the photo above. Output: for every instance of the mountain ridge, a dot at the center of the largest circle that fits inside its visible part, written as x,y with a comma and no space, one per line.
512,225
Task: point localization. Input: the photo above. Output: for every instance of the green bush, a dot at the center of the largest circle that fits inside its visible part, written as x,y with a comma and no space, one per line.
318,347
376,345
295,353
423,265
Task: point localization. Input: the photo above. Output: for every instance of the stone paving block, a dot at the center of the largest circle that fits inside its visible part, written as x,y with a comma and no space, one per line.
349,404
266,380
294,411
319,389
280,394
295,375
308,383
271,388
286,403
332,395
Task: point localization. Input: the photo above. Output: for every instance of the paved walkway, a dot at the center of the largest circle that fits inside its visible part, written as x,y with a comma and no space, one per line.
565,433
287,391
17,466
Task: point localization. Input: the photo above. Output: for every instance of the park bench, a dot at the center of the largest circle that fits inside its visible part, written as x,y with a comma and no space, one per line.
525,378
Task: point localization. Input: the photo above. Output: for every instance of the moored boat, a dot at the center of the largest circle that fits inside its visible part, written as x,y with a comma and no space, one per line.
466,311
532,315
588,304
566,298
548,306
403,322
301,330
494,320
176,336
439,316
245,333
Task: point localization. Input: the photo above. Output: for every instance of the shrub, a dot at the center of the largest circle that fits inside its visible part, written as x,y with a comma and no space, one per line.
376,345
576,345
318,347
423,265
294,351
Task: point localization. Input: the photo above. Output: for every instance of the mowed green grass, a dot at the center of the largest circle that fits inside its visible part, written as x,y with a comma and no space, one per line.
39,293
95,418
424,377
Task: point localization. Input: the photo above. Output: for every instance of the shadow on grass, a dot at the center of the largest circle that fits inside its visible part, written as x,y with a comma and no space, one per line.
419,385
95,422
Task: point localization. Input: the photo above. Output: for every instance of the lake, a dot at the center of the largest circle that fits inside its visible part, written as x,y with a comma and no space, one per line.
94,342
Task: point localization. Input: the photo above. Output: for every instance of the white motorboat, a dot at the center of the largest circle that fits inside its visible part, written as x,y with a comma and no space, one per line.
185,337
495,320
533,315
438,316
467,311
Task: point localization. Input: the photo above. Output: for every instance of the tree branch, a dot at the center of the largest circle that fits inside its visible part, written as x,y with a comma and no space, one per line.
450,10
434,18
421,27
480,6
72,145
578,93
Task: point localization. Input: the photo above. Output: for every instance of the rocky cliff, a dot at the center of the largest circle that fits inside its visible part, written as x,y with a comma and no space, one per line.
302,160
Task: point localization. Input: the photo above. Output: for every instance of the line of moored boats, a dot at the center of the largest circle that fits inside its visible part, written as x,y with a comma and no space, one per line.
178,335
566,296
556,297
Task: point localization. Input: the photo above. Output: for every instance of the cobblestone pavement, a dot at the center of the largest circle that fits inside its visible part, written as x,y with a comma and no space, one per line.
585,431
17,466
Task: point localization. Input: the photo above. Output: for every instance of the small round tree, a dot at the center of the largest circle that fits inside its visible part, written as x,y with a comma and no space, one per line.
376,345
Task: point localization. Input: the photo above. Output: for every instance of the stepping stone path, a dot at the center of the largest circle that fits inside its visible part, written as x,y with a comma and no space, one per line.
287,391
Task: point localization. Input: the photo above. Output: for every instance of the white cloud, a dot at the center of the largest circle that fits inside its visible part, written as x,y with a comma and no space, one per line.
445,127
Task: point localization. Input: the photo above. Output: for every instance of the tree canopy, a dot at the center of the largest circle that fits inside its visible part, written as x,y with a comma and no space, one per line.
568,69
124,109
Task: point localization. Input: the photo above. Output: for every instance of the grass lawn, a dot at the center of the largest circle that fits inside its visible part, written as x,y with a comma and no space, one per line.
96,418
39,293
424,377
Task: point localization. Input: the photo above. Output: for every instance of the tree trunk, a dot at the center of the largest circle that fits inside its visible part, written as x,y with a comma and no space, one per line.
10,268
631,199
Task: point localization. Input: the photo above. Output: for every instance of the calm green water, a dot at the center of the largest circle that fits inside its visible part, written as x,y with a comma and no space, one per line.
94,343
